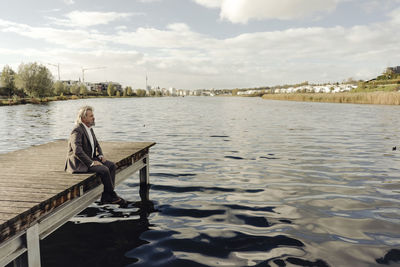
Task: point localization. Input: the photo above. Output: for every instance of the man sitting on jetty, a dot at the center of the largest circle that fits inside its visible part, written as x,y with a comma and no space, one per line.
85,155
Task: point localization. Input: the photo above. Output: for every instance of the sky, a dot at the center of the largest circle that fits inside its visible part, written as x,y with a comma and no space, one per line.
203,44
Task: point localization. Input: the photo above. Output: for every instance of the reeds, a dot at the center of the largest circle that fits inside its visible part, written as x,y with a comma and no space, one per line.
379,97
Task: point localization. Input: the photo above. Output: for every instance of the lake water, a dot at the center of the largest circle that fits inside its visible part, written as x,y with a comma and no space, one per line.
234,182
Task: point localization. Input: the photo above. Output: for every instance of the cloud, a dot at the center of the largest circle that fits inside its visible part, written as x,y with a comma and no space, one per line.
71,38
241,11
210,3
176,35
181,57
69,2
395,15
89,18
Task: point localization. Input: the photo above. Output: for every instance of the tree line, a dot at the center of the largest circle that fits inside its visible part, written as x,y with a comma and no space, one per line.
36,80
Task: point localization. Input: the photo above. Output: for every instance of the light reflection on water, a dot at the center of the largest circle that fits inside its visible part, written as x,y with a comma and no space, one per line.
234,182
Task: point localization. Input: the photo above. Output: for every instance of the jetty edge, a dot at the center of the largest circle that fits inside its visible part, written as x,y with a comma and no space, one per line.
37,196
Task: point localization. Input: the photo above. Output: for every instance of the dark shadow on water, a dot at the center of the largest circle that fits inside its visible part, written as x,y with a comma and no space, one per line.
263,157
203,244
254,221
92,244
393,256
241,207
293,261
180,189
99,243
173,175
232,157
194,213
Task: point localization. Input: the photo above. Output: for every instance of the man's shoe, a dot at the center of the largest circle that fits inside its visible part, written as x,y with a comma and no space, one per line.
114,200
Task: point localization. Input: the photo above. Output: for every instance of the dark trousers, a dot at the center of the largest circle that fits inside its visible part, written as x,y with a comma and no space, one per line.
107,173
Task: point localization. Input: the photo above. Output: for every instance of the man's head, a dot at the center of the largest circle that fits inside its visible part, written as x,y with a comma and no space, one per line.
86,116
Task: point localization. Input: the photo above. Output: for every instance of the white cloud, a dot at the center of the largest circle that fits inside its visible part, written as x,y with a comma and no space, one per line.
378,6
69,2
241,11
89,18
121,28
183,58
209,3
395,15
74,38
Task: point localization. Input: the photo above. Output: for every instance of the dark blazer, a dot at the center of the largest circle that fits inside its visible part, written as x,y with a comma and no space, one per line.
79,150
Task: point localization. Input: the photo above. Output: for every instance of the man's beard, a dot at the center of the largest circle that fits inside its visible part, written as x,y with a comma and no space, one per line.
93,124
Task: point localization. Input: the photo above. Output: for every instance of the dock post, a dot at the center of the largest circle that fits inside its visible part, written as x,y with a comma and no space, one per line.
144,172
32,240
144,180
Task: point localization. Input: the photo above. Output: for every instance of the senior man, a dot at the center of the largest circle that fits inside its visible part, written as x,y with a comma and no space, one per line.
85,155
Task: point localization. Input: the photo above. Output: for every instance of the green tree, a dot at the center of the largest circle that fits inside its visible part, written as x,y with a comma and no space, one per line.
83,89
58,88
111,89
118,93
67,89
75,89
141,92
36,80
7,80
235,91
129,91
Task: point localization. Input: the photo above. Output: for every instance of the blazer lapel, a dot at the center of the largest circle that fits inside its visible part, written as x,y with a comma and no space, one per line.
85,132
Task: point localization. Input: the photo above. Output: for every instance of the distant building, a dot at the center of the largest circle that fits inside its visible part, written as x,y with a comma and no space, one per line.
172,91
394,70
70,82
98,87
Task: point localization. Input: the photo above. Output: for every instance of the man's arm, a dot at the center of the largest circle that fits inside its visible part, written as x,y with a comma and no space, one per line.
99,150
76,144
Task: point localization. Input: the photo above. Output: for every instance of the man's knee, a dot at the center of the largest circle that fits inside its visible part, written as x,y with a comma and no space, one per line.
102,169
111,165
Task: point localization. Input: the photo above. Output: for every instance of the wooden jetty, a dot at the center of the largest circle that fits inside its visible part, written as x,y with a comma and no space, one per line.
37,196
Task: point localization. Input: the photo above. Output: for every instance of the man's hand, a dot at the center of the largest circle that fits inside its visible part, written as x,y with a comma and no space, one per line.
96,163
103,159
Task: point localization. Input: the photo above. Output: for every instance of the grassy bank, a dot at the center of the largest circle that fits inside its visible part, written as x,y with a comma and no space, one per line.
20,101
33,100
381,98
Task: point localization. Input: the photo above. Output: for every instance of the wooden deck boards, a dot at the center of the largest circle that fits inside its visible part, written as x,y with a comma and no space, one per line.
33,181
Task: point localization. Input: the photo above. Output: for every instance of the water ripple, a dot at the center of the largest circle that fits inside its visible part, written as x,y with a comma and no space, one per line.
276,184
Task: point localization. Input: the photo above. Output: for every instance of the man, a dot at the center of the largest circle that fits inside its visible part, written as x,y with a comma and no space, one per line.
85,155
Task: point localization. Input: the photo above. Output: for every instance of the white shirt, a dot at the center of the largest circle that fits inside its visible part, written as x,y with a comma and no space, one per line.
90,137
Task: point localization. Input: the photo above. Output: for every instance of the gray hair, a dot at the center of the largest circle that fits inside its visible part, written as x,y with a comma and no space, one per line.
83,113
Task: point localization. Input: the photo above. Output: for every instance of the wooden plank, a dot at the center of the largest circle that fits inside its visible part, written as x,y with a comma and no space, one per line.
23,190
24,204
7,216
33,181
13,209
34,185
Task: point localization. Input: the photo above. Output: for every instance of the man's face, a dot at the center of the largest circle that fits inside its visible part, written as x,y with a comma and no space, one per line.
89,119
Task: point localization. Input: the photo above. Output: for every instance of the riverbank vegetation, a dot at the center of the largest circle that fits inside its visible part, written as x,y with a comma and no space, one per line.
33,83
384,90
382,97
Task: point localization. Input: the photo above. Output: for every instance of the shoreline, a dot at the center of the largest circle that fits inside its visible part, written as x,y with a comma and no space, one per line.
37,101
375,98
